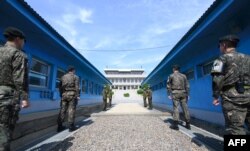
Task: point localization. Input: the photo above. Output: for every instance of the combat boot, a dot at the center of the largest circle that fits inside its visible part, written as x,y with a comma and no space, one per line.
188,125
175,125
60,128
72,127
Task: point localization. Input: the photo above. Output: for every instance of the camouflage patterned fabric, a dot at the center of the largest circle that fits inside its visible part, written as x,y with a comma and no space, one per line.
178,88
235,104
105,94
69,90
147,95
110,94
13,88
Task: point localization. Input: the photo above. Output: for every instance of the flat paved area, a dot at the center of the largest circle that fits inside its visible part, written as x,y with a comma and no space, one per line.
121,129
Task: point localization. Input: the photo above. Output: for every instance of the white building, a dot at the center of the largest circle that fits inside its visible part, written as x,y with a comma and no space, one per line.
125,79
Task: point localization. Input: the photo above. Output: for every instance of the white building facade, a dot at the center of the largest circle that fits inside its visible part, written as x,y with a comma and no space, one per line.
125,79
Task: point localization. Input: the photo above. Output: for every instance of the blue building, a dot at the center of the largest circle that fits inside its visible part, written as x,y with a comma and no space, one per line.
49,55
195,53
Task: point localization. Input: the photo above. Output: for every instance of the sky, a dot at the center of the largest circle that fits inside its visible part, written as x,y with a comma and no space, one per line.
125,34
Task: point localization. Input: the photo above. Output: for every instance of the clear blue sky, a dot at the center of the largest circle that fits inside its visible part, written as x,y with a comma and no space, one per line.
102,29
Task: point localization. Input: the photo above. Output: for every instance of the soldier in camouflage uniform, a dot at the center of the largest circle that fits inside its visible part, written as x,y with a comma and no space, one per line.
13,83
230,80
110,93
69,91
178,92
147,94
105,93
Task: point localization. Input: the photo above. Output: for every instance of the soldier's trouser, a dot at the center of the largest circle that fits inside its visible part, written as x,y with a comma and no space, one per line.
180,98
248,117
8,119
150,102
104,104
144,101
110,102
70,106
235,116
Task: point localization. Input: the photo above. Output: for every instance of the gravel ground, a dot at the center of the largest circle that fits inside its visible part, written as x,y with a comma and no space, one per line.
127,133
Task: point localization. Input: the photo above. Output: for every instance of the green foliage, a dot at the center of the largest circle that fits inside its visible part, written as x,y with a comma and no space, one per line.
140,91
143,88
126,94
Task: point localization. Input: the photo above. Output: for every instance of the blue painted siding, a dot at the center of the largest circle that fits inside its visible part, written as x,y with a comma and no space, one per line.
197,50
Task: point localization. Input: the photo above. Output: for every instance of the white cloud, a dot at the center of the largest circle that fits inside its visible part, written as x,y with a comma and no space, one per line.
85,16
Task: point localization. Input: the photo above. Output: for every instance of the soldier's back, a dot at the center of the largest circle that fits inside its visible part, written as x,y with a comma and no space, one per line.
8,54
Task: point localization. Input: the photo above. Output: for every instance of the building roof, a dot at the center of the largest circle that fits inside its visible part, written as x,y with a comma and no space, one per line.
213,24
24,7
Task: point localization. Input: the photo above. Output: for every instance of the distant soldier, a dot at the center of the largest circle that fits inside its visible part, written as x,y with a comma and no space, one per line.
231,80
13,83
105,93
69,91
147,95
110,94
178,92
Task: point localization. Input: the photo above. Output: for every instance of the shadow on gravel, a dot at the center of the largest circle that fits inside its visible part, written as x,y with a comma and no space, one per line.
56,146
210,141
63,145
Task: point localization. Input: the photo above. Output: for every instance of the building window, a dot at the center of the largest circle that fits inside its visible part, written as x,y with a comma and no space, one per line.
59,75
206,68
190,74
39,73
87,86
83,86
91,87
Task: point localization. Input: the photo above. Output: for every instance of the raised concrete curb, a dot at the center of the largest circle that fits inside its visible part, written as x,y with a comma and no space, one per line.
36,126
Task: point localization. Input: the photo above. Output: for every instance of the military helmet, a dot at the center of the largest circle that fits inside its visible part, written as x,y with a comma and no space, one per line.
13,32
71,68
231,38
176,67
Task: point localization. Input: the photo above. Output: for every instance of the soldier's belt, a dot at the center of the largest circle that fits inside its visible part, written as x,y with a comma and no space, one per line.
225,88
246,86
6,92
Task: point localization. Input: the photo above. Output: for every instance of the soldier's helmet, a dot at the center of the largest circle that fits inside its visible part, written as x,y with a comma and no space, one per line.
71,68
13,32
176,67
231,38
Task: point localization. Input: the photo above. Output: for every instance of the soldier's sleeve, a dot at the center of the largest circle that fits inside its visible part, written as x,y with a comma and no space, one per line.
187,86
169,85
77,85
217,76
20,75
60,88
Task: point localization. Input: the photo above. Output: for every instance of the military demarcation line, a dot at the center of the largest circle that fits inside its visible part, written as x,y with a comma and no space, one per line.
77,110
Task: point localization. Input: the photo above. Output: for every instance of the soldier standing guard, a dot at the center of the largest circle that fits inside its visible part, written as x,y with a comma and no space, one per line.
147,95
13,83
69,91
178,92
105,93
110,94
231,81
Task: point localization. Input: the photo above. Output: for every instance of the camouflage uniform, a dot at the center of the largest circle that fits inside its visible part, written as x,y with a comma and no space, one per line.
105,94
13,88
110,97
147,94
178,88
69,91
226,75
